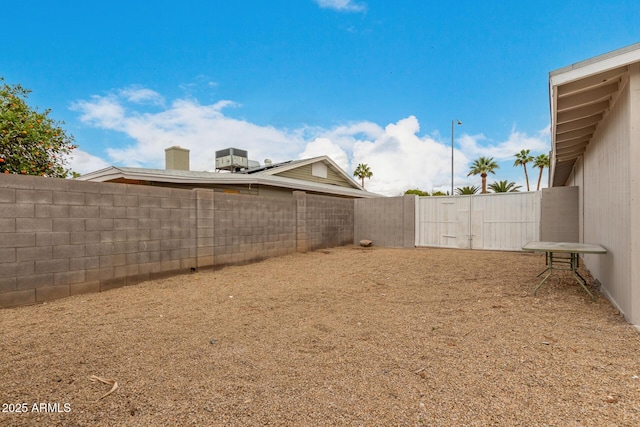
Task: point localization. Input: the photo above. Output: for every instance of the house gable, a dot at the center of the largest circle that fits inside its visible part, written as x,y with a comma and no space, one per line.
314,172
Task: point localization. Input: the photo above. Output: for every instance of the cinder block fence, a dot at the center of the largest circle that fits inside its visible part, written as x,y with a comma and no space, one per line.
65,237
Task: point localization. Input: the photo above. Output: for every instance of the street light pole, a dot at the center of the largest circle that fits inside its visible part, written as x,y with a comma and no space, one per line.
452,133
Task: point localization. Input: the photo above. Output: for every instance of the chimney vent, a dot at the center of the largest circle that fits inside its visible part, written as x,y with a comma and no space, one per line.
176,158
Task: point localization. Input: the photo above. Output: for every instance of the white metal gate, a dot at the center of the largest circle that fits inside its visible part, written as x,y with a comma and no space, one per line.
503,221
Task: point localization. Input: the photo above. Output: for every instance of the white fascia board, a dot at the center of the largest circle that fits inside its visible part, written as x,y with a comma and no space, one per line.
151,175
293,164
101,175
277,181
112,172
222,179
598,64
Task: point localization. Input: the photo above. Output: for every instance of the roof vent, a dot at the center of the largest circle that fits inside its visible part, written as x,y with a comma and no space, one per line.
176,158
268,162
232,159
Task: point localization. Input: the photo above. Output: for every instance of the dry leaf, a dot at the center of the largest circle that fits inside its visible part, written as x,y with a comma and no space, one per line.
105,381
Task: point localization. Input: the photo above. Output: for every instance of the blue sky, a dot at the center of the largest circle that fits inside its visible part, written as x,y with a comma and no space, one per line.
373,82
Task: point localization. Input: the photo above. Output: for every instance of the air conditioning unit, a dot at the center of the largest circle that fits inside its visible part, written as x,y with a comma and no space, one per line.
232,159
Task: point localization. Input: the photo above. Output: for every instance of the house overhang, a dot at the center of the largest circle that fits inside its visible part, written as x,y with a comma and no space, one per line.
581,96
194,179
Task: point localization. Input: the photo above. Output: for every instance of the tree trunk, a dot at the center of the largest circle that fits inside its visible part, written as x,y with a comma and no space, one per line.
526,175
484,183
539,178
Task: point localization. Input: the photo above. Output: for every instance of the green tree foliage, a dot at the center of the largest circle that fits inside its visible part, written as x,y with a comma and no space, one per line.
467,189
483,166
541,161
522,158
417,192
504,187
426,193
362,171
31,143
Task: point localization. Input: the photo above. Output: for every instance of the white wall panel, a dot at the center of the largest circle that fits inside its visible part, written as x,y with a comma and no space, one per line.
604,178
503,221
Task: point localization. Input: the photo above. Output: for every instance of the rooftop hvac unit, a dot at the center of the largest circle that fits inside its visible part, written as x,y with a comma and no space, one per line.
232,159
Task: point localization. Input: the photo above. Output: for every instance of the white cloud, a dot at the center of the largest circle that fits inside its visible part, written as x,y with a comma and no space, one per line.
505,150
82,162
342,5
325,147
504,153
201,128
140,95
103,112
399,157
198,83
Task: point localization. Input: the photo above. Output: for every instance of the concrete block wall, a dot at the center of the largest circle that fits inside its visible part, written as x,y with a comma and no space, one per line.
324,221
250,228
66,237
388,221
205,210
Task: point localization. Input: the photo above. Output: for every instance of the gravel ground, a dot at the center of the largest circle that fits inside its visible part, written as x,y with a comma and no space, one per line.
345,336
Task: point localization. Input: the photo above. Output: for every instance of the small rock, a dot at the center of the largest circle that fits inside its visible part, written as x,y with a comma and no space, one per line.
366,243
213,341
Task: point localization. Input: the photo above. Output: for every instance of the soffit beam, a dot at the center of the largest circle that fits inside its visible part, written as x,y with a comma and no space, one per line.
576,133
582,112
586,98
578,124
588,83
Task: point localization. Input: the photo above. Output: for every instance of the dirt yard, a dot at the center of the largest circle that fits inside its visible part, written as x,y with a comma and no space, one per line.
345,336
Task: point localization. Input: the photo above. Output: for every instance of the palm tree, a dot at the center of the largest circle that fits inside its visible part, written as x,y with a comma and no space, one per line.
504,187
522,158
482,167
467,190
362,171
541,161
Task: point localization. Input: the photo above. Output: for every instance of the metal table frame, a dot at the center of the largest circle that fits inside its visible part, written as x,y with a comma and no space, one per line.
563,256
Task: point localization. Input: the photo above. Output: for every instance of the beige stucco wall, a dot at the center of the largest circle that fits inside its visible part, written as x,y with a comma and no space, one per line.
304,173
558,214
608,210
634,195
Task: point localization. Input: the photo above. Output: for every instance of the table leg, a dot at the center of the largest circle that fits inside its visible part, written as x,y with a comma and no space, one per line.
549,260
546,262
575,263
542,272
543,280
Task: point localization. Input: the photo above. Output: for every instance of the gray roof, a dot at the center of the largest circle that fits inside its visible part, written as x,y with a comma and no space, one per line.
262,176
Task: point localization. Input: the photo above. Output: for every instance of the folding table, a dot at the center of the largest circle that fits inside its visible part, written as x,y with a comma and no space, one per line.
564,256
